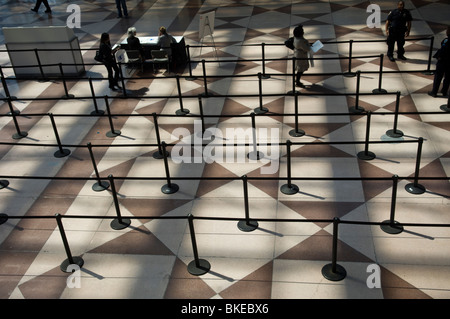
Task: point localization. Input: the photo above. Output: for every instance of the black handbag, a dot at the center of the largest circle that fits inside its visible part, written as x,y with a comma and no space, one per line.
289,43
98,57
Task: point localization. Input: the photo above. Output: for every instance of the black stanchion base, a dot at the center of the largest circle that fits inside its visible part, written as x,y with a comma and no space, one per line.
379,91
247,226
297,133
4,183
289,189
339,274
68,96
415,189
394,133
261,110
117,224
182,112
97,112
427,73
61,153
391,228
367,156
170,189
349,74
66,263
293,92
356,109
18,136
100,186
202,268
3,218
190,78
113,133
445,108
255,155
159,155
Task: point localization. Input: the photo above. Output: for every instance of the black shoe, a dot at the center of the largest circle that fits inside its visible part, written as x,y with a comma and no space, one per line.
431,93
391,58
300,84
113,88
402,57
34,10
119,88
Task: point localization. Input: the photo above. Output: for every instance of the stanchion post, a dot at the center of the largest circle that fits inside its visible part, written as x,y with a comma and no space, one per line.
430,56
36,53
263,55
357,109
349,73
60,152
205,82
197,267
159,153
334,271
289,188
416,188
99,185
70,259
379,90
366,154
296,132
391,226
119,222
169,188
94,99
255,154
66,91
395,133
181,111
113,132
188,54
19,134
5,85
246,225
260,109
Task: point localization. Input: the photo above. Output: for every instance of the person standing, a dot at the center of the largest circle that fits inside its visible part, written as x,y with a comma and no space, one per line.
398,26
121,5
442,68
38,4
301,50
107,54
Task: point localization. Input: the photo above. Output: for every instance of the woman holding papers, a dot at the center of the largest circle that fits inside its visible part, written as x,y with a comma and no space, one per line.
107,54
301,50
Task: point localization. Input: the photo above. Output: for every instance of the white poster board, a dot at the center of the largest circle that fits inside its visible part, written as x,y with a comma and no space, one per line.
206,25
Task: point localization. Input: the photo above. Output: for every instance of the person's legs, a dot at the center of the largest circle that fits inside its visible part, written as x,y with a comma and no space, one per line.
119,9
446,82
124,7
438,75
37,5
390,43
400,47
298,75
47,6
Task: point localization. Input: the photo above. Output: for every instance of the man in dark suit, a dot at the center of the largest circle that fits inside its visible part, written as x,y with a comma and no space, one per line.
38,4
442,68
398,26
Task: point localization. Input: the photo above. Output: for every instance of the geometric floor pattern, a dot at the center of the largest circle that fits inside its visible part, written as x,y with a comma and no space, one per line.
283,257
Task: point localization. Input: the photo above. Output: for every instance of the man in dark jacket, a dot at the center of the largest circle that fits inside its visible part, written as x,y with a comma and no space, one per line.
398,26
442,68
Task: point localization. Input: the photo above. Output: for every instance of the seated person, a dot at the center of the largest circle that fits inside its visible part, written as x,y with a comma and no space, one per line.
134,43
164,40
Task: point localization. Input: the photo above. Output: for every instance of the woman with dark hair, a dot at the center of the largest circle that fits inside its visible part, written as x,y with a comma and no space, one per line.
301,49
107,53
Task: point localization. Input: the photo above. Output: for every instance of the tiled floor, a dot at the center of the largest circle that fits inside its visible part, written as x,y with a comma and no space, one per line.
284,256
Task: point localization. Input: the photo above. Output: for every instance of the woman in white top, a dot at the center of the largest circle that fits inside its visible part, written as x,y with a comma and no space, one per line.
301,49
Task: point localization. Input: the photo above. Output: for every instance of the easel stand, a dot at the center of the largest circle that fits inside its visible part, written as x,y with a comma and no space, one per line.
208,25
